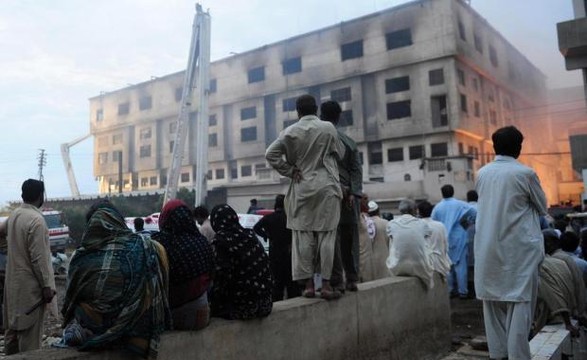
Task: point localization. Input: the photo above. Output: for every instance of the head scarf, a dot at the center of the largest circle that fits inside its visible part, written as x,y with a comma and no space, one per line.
188,251
104,226
225,220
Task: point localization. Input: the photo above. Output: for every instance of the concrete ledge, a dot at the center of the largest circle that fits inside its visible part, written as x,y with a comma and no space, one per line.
390,318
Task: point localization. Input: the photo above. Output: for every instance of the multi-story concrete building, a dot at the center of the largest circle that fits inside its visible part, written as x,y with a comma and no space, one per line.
422,87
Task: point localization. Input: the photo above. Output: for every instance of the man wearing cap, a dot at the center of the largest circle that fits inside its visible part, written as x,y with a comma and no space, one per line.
29,275
380,242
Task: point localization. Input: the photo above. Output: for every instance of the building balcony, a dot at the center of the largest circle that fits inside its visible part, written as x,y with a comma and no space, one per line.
572,43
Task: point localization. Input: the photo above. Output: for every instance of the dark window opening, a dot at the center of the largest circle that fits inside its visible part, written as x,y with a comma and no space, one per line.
178,94
461,76
219,174
464,107
439,111
436,77
185,177
123,109
246,170
397,84
213,140
351,50
212,121
346,118
477,109
399,109
462,32
416,152
145,103
396,154
256,74
289,104
341,95
398,39
292,66
249,134
213,86
375,153
493,56
438,149
145,151
478,42
248,113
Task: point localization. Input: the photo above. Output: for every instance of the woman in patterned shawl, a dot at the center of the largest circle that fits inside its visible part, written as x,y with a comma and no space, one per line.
117,287
242,283
191,263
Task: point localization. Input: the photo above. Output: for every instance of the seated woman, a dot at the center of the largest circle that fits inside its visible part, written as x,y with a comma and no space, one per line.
242,281
191,262
117,287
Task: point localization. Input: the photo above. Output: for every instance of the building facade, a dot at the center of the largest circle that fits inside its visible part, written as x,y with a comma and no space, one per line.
422,87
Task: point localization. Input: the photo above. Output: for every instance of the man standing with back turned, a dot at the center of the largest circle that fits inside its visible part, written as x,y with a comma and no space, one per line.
508,246
307,153
29,275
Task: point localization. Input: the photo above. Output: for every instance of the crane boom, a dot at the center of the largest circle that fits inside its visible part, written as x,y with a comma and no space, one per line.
199,55
67,163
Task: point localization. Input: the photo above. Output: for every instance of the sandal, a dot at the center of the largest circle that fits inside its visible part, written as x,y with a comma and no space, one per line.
330,294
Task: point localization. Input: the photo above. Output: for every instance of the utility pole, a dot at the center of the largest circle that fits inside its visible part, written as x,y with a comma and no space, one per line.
42,163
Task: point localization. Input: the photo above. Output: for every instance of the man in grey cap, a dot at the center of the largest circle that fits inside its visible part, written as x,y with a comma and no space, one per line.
29,283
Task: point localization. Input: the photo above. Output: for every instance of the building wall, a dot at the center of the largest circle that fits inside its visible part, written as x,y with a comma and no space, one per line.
430,44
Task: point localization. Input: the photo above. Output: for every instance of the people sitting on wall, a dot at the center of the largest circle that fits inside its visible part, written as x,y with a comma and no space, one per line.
117,287
202,218
191,263
569,243
242,282
438,240
380,242
409,250
273,227
561,293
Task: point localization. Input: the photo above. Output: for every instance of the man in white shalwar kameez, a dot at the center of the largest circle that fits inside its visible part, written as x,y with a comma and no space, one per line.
508,246
307,153
438,240
409,250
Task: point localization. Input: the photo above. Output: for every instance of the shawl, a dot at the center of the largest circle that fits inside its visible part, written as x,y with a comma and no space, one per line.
117,286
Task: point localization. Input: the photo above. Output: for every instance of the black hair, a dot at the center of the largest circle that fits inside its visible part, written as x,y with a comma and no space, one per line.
507,141
254,201
447,191
139,224
425,209
306,105
201,212
32,190
330,111
551,241
561,225
569,241
472,196
279,202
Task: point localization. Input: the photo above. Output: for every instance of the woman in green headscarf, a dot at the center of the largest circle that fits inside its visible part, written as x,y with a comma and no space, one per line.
117,287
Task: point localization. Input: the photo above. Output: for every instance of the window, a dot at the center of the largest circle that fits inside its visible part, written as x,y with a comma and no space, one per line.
213,140
478,42
246,170
153,180
249,134
407,177
439,111
219,174
145,103
99,115
397,84
145,133
493,56
464,103
416,152
163,180
476,84
102,141
289,104
462,32
490,95
248,113
256,74
209,175
233,173
213,86
288,123
493,117
438,149
361,158
461,76
291,66
351,50
436,77
375,153
398,39
116,155
399,109
346,118
178,94
124,108
145,151
185,177
171,144
144,181
341,95
102,158
395,154
461,149
116,139
172,127
477,109
212,120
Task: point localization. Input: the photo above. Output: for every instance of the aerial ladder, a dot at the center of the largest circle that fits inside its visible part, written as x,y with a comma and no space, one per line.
67,163
197,75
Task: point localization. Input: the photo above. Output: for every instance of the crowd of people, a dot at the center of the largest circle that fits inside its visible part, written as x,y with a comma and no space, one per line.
125,288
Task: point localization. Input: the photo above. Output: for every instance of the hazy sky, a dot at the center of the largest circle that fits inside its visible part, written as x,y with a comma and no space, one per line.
58,53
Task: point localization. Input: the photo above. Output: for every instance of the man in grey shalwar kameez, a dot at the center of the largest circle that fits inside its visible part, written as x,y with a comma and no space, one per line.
508,246
307,153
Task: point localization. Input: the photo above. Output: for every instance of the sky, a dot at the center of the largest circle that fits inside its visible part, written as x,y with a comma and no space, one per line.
58,53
